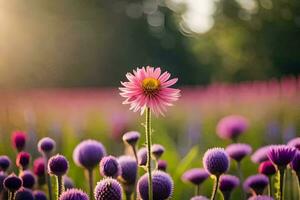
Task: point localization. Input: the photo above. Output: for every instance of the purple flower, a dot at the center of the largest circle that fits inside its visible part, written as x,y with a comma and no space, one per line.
2,177
12,183
18,140
39,167
109,167
162,186
281,155
232,126
261,154
142,156
4,163
46,145
88,154
295,143
256,183
128,170
199,198
107,189
157,150
295,164
73,194
28,179
267,168
58,165
68,182
23,194
196,176
228,183
261,197
131,137
39,195
23,160
162,165
216,161
238,151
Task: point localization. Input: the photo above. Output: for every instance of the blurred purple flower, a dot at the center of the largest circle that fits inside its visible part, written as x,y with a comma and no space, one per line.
261,154
12,183
238,151
73,194
227,184
39,167
295,164
23,194
162,186
23,160
273,132
46,145
109,167
58,165
119,124
142,156
267,168
39,195
195,176
157,150
256,183
2,177
289,133
28,179
295,143
261,197
108,188
18,140
128,170
216,161
68,183
131,137
281,155
162,165
4,163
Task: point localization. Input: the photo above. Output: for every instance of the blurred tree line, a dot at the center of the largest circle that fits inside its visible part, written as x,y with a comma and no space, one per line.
94,43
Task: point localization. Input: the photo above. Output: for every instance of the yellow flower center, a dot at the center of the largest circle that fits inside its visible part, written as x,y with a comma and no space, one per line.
150,85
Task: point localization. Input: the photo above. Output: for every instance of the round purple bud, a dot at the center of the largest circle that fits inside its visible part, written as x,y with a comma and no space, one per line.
2,177
162,165
195,176
261,154
46,145
261,197
23,160
28,179
128,170
231,127
4,163
58,165
281,155
109,167
228,183
12,183
39,195
157,150
162,186
216,161
267,168
295,143
24,194
199,198
142,156
107,189
73,194
18,140
131,137
68,182
88,154
238,151
256,183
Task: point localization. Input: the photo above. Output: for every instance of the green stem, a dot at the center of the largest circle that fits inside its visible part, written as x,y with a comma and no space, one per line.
135,153
128,196
60,186
148,141
48,178
91,181
215,189
270,192
240,174
281,179
12,195
197,190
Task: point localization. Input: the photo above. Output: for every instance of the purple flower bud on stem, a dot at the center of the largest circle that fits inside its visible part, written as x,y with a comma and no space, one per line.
256,184
157,150
109,167
227,184
73,194
39,195
162,165
23,160
23,194
18,140
238,151
46,145
142,156
28,179
12,183
4,163
68,183
295,143
195,176
108,188
261,154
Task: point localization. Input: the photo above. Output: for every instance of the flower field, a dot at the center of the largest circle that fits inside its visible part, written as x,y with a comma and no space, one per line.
271,110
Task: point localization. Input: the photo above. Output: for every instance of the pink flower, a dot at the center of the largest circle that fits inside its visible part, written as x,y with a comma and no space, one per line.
148,87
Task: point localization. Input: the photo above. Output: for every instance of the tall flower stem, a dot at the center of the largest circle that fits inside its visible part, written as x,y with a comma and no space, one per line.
135,153
48,178
60,186
149,143
91,181
11,195
240,174
215,189
281,181
197,190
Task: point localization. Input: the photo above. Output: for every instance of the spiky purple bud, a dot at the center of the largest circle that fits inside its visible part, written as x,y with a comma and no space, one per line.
24,194
267,168
162,186
295,143
131,137
28,179
261,154
162,165
23,160
18,140
281,155
58,165
46,145
107,189
88,154
157,150
195,176
142,156
216,161
12,183
39,195
109,167
4,163
261,197
256,183
73,194
238,151
68,182
128,170
199,198
231,127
